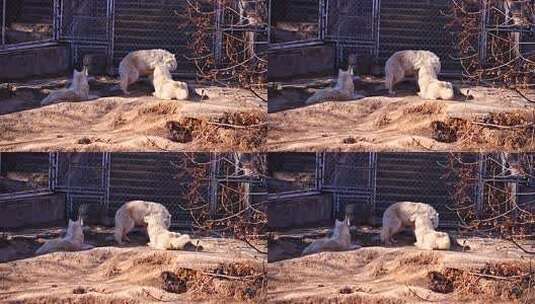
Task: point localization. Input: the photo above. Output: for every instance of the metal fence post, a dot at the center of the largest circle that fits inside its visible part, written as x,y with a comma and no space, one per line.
4,22
480,184
483,32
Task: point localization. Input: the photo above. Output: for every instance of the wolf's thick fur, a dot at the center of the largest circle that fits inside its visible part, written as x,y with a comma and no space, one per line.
72,241
403,215
407,63
167,88
142,63
431,87
344,90
426,236
161,238
132,214
77,91
339,241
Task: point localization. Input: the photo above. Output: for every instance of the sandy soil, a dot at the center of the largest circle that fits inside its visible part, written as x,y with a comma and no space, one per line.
119,123
227,271
403,122
486,271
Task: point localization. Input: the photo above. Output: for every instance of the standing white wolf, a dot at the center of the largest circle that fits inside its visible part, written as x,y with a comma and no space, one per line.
339,241
407,63
72,241
344,90
426,236
77,91
161,238
403,215
143,63
133,214
431,87
167,88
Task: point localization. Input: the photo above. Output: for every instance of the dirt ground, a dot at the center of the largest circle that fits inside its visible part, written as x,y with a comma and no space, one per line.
493,119
229,119
227,270
478,270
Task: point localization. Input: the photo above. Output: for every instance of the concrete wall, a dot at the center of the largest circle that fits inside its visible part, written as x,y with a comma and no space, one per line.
32,211
302,61
21,64
300,212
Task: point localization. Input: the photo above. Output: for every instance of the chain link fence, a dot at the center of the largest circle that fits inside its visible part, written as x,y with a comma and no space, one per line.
26,21
24,173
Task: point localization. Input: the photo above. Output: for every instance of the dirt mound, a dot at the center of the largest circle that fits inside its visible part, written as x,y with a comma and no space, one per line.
494,119
228,119
404,275
133,275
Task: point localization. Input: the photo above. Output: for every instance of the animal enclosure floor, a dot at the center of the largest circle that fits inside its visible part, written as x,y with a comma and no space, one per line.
227,270
493,119
129,123
492,271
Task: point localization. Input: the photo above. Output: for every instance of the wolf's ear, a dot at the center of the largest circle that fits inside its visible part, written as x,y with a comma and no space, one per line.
146,219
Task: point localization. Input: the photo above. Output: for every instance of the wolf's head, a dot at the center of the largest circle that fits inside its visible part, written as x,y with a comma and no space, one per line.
341,228
79,78
446,90
75,230
169,61
345,79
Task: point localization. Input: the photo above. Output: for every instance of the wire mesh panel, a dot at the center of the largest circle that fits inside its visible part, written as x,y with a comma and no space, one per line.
292,173
352,20
418,25
27,21
85,20
295,21
23,172
351,177
83,177
150,25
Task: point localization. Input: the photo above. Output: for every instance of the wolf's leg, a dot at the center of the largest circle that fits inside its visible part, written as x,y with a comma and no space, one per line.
395,226
128,224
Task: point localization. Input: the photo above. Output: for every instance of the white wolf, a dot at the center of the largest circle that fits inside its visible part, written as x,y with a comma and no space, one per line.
72,241
407,63
161,238
77,91
339,241
142,63
431,87
426,236
343,91
132,214
165,87
403,215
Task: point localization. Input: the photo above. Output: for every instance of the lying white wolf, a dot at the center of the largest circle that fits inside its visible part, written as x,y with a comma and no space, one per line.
407,63
161,238
426,236
403,215
132,214
344,90
143,63
431,87
167,88
77,91
72,241
339,241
